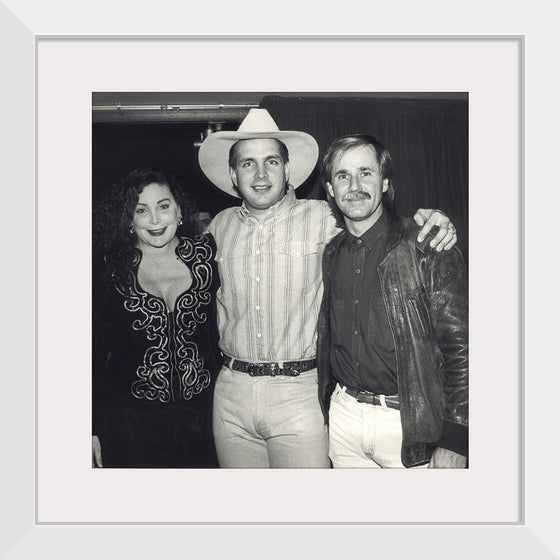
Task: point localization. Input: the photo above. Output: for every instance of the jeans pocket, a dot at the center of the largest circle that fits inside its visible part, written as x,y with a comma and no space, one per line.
223,376
335,397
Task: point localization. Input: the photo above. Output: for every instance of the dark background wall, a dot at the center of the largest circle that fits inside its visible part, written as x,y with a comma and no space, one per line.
426,134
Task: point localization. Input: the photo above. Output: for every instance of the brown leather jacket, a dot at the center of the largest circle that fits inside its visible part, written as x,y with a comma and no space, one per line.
426,299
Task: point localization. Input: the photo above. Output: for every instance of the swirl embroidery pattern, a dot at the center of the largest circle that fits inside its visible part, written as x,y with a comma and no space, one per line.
190,313
172,347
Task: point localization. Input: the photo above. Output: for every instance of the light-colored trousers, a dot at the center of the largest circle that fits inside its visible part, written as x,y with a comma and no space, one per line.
262,422
363,435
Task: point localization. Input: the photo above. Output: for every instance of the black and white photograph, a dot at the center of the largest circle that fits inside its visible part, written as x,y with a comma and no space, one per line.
265,290
280,280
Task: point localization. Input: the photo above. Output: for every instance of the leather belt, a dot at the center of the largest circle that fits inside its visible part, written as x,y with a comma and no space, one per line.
292,369
391,401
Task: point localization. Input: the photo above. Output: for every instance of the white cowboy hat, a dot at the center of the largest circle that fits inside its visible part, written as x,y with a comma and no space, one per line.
213,155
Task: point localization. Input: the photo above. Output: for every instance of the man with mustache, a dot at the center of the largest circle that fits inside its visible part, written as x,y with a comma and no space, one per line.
393,326
266,410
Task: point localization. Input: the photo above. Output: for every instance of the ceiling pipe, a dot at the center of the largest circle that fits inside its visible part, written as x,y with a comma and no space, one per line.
170,113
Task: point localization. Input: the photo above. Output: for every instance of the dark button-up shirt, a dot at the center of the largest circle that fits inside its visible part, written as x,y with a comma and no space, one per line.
362,352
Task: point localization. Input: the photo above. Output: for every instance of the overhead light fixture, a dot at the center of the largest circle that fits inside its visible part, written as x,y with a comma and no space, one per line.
211,127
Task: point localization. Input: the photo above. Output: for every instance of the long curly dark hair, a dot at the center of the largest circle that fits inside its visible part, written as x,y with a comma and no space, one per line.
112,216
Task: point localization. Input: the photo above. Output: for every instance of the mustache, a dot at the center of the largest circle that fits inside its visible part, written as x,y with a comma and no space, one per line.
358,195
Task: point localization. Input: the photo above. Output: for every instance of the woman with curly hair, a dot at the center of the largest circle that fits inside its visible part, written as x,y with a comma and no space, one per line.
155,355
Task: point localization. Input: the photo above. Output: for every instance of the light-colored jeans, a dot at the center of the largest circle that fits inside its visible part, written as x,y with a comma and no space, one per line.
269,421
363,435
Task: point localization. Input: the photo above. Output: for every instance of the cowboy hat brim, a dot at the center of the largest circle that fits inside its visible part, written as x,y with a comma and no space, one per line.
213,155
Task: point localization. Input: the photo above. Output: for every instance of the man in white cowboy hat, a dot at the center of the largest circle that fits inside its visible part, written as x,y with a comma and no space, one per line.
269,250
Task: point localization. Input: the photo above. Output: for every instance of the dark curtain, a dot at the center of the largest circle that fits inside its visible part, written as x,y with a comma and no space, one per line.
118,148
427,139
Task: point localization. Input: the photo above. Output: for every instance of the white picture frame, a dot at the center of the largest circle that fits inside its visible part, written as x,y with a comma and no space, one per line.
530,531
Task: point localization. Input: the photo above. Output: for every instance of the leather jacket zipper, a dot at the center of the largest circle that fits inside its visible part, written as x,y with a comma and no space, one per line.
414,303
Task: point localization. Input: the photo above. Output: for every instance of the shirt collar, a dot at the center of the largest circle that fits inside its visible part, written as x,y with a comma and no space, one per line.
373,235
285,203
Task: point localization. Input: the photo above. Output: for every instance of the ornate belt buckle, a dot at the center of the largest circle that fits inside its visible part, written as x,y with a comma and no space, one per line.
255,370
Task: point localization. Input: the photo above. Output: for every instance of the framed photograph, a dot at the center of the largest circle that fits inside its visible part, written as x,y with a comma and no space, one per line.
56,505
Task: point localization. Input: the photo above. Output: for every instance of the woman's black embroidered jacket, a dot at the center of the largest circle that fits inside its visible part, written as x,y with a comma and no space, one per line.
426,299
145,355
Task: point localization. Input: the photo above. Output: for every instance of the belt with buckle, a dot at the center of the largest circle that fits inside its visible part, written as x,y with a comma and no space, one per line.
391,401
292,369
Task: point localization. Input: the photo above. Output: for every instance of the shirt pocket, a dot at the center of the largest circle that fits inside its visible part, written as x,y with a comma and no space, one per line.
234,252
298,249
232,267
297,265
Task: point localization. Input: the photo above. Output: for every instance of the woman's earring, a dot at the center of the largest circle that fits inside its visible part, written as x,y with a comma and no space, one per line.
180,220
131,229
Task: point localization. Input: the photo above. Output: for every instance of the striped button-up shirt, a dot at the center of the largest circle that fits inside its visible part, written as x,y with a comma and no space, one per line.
271,279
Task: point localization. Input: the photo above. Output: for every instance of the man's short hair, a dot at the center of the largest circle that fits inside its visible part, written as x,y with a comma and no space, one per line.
233,151
345,143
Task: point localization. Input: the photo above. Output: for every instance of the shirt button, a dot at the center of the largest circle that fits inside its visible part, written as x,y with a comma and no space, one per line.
355,333
358,271
259,335
356,301
359,241
258,279
258,307
258,252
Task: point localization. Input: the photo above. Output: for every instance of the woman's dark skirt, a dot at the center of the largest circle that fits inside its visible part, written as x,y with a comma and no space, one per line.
157,435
